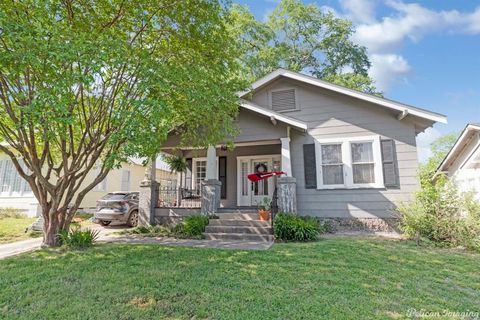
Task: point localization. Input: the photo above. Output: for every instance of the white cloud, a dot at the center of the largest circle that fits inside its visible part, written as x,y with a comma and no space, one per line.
408,22
424,140
387,69
359,11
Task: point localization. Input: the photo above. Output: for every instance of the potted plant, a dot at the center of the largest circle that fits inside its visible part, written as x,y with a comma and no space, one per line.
264,209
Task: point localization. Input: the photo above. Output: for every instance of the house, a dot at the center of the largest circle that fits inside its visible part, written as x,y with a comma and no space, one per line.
348,156
16,193
462,163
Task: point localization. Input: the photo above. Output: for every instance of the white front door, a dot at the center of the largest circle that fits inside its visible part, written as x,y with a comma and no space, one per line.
252,193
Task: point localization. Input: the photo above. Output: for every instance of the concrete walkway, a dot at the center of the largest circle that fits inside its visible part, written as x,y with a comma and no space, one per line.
14,248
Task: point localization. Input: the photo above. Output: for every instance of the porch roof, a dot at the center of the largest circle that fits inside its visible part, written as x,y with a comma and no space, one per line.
274,116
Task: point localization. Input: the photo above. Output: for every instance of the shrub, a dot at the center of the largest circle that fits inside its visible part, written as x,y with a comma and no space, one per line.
152,231
289,227
78,239
194,226
12,213
442,215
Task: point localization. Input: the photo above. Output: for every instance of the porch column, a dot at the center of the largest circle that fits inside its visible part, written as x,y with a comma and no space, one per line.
211,187
211,163
148,195
286,160
287,194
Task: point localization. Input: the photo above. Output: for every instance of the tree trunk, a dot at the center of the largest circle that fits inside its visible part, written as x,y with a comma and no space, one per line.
51,228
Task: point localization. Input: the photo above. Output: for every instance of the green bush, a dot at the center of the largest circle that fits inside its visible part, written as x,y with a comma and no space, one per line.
289,227
194,226
76,238
152,231
442,214
12,213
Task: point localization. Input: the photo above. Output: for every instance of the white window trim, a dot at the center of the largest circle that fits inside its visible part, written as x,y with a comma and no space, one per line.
295,92
347,162
194,169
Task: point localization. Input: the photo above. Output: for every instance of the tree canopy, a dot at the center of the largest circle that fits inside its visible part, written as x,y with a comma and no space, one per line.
301,37
85,84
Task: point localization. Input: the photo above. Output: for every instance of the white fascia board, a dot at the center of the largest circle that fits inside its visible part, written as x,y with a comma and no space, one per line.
348,92
455,149
270,114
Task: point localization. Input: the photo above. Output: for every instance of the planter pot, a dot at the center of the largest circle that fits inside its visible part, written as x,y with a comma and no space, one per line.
264,215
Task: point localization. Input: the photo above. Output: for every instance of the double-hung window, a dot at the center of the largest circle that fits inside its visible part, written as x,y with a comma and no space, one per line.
349,163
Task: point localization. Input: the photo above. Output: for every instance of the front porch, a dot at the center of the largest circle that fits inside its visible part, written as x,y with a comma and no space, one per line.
215,181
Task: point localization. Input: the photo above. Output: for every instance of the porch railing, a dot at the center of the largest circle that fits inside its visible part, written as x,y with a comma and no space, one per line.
172,197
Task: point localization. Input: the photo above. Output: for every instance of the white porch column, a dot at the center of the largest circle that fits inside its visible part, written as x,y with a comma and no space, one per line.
286,159
211,186
211,163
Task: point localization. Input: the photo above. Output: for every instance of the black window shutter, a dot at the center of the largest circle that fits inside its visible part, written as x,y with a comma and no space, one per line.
188,174
222,176
310,166
389,161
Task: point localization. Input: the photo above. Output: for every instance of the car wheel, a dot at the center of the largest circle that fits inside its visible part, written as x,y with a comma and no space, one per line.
105,223
133,219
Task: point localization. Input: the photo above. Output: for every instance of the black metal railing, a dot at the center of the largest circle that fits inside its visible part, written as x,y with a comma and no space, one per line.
172,197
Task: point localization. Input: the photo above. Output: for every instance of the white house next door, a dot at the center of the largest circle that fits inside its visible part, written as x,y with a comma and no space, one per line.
252,193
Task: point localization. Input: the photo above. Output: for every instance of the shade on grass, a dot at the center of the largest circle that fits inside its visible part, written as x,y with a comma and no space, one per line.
331,279
13,229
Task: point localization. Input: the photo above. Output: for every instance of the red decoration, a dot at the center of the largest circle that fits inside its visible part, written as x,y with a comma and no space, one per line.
254,177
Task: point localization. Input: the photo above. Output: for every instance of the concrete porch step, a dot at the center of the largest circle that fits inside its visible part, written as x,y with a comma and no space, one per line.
238,229
239,236
222,211
239,223
238,216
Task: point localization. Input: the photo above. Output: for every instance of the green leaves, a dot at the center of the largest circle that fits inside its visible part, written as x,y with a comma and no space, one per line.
301,37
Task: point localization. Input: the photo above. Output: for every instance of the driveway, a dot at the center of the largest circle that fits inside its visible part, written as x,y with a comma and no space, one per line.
14,248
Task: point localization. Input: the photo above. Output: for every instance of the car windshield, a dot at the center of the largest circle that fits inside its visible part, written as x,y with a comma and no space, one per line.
114,196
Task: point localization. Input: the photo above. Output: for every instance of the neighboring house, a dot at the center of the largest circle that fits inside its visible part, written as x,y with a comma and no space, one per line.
16,193
353,155
462,162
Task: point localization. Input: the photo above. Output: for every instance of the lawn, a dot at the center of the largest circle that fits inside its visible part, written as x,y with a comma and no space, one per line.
339,278
13,229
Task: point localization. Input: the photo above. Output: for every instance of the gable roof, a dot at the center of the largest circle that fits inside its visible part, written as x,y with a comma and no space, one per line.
248,105
458,147
403,109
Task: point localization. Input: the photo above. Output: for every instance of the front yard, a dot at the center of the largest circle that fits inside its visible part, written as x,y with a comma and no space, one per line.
338,278
13,229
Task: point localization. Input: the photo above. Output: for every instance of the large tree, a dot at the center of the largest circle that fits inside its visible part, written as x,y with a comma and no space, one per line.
301,37
85,84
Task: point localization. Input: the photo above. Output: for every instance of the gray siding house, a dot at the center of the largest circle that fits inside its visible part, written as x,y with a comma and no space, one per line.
352,156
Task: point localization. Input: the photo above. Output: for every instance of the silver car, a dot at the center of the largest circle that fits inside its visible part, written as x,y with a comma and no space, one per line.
118,207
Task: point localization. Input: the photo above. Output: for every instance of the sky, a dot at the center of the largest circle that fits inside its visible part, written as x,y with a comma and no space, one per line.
423,53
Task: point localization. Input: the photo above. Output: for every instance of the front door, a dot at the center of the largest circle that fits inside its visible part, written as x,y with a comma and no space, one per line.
253,193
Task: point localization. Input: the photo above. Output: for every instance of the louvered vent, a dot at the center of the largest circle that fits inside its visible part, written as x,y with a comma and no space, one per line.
283,100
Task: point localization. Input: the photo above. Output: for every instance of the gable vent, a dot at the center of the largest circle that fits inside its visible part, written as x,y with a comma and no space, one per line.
283,100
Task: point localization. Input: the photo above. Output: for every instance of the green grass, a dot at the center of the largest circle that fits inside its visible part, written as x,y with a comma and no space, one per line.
336,278
13,229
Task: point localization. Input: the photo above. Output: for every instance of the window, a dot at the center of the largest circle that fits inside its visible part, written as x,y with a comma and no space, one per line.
283,100
11,183
363,164
332,165
349,163
200,173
